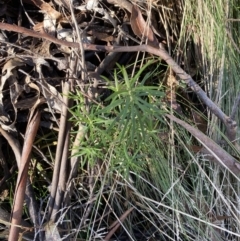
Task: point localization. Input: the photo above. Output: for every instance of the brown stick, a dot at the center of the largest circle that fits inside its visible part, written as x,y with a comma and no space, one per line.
22,177
224,159
117,224
29,196
60,172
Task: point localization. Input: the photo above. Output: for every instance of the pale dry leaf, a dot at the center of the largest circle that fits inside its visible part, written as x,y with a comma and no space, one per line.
7,70
3,37
15,91
55,98
52,96
62,63
141,28
49,24
50,17
65,34
41,61
46,8
87,39
5,121
51,232
31,84
90,5
4,195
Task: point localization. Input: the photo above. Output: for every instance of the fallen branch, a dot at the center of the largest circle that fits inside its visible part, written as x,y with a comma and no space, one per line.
230,124
117,224
60,174
220,156
22,176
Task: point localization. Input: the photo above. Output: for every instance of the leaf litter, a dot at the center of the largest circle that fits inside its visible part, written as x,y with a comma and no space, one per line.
34,72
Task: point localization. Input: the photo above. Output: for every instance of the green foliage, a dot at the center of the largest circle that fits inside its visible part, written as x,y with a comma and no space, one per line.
130,115
131,107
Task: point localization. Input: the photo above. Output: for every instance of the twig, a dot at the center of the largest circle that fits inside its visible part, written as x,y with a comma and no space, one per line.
117,224
224,159
58,157
63,162
81,48
81,132
22,176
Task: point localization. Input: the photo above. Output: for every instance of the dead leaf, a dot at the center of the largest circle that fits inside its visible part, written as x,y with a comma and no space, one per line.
4,194
49,24
51,232
46,8
102,36
30,102
8,68
65,34
9,74
217,219
51,16
52,96
92,5
141,28
15,91
195,148
199,120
